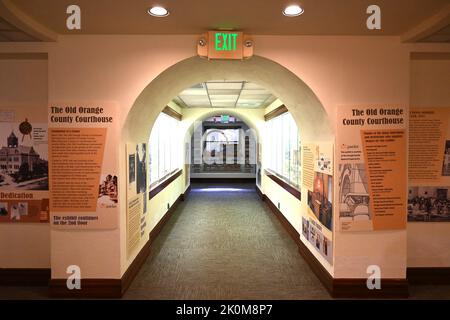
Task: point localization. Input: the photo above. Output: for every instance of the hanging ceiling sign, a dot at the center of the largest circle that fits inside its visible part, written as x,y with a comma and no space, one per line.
225,45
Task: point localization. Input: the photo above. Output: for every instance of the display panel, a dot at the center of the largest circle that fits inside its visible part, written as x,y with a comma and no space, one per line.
83,158
24,196
371,164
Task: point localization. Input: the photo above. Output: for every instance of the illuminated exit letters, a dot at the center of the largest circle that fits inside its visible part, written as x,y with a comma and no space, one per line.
225,45
225,41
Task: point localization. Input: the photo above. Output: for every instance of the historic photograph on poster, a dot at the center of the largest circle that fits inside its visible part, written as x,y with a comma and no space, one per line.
320,242
353,193
108,191
4,209
429,204
141,169
131,168
446,162
305,228
324,163
23,156
321,197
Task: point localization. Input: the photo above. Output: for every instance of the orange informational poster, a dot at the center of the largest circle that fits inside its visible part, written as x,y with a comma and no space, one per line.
429,165
83,166
372,167
24,196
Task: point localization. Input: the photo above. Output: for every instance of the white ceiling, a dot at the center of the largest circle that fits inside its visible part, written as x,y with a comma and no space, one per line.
225,94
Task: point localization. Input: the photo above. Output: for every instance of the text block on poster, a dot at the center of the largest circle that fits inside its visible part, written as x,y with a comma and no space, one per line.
384,159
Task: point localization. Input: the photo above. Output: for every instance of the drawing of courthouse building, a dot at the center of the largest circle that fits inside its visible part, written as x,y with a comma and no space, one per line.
13,156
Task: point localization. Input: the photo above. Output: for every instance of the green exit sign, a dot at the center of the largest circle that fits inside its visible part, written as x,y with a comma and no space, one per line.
225,119
225,45
225,41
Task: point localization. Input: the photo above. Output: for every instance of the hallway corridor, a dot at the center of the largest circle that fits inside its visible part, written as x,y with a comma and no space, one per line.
224,243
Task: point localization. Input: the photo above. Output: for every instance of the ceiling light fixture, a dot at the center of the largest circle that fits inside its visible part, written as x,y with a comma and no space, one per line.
293,11
158,12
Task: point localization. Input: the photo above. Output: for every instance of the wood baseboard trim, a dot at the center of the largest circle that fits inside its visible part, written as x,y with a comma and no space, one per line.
35,277
260,194
223,180
428,275
90,289
282,219
357,288
339,288
160,225
134,268
186,193
101,288
112,288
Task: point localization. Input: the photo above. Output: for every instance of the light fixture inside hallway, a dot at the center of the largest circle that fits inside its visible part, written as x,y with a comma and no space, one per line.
293,11
158,11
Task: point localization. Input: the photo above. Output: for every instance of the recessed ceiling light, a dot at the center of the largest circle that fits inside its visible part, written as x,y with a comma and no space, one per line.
158,12
293,11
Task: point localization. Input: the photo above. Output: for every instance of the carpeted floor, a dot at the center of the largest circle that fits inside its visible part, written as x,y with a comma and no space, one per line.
224,244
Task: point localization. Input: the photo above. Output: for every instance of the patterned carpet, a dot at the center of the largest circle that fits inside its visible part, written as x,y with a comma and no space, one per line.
224,243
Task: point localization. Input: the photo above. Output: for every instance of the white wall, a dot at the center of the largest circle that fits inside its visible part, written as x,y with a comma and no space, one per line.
23,84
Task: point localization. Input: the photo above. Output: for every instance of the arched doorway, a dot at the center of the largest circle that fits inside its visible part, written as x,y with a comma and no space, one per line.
305,108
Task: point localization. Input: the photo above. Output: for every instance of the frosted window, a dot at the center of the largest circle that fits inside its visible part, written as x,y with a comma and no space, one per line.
165,145
282,148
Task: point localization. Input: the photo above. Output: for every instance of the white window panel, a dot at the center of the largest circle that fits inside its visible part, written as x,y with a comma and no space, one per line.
196,101
221,98
252,101
224,85
248,104
223,104
258,92
231,85
194,98
194,92
224,92
252,86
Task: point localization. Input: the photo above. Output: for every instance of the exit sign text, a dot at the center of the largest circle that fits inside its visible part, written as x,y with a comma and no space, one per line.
225,45
225,41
